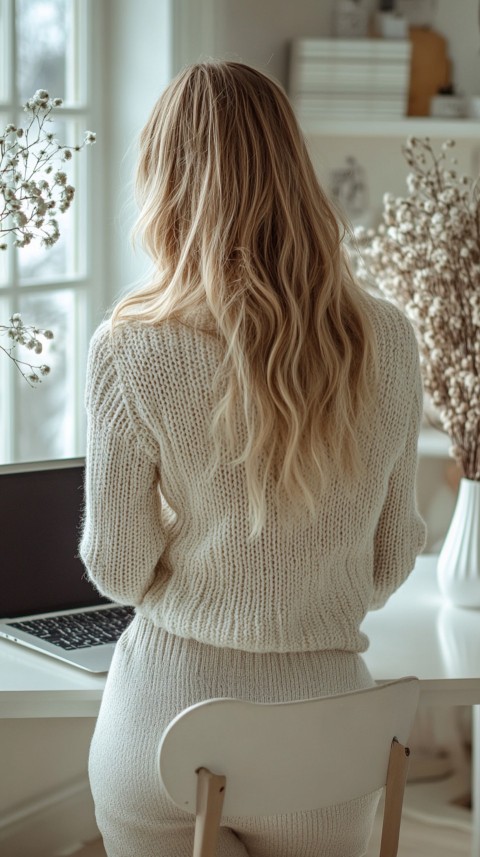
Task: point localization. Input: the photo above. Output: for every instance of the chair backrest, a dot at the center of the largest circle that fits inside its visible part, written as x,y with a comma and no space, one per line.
287,757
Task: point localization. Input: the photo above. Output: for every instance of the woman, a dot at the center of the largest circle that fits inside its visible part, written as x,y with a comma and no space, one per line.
253,419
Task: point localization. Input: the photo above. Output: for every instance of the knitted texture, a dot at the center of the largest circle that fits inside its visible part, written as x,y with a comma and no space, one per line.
154,676
163,535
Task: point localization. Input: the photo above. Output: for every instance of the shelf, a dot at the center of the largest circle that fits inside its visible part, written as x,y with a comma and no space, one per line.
411,126
433,443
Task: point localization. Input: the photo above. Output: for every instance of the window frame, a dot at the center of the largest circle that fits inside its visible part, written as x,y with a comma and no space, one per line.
89,206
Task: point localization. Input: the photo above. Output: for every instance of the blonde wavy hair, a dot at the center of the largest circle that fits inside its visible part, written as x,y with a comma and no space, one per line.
240,231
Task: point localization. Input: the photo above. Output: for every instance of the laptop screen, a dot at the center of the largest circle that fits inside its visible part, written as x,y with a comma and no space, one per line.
41,508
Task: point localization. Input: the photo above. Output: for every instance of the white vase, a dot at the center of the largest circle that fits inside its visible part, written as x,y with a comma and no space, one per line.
458,567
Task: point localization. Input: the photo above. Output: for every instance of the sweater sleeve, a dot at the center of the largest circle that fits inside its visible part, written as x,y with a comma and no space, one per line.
400,532
123,537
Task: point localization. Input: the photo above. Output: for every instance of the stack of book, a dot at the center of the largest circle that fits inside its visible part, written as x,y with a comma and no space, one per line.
349,78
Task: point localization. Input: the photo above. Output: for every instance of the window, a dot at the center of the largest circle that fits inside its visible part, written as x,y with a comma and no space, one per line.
47,44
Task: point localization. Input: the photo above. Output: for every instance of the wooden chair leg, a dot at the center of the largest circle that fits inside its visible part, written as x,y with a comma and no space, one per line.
210,795
392,814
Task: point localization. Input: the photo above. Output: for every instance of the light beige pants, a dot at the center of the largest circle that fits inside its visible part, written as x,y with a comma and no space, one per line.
153,677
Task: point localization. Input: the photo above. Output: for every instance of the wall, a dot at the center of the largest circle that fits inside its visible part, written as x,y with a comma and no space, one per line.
259,32
138,63
459,22
383,163
46,808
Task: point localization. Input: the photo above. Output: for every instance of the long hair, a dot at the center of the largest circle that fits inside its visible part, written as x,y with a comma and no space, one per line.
240,231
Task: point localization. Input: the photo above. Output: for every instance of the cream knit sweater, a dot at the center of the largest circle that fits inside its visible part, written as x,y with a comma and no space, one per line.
159,535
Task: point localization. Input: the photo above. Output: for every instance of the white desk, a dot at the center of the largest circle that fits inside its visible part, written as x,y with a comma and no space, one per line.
416,633
419,633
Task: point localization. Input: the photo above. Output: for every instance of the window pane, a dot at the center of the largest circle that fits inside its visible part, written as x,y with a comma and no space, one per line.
3,267
45,48
3,238
7,371
4,54
47,413
3,253
59,260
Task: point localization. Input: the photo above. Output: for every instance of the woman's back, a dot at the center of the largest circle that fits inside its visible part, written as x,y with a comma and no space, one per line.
306,581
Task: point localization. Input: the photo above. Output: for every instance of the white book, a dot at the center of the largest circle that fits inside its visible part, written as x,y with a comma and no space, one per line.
360,98
306,117
311,71
335,86
309,76
346,104
363,110
375,48
346,79
360,108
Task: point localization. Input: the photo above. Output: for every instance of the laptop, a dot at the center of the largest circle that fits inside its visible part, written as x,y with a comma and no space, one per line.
46,600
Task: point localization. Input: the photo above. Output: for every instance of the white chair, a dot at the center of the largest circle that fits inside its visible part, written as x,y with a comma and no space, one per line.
237,758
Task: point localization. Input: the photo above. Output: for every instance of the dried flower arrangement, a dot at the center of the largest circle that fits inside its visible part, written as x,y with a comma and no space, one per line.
30,337
33,189
425,257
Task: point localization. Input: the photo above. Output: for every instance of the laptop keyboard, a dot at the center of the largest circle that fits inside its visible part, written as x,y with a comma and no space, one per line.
80,630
